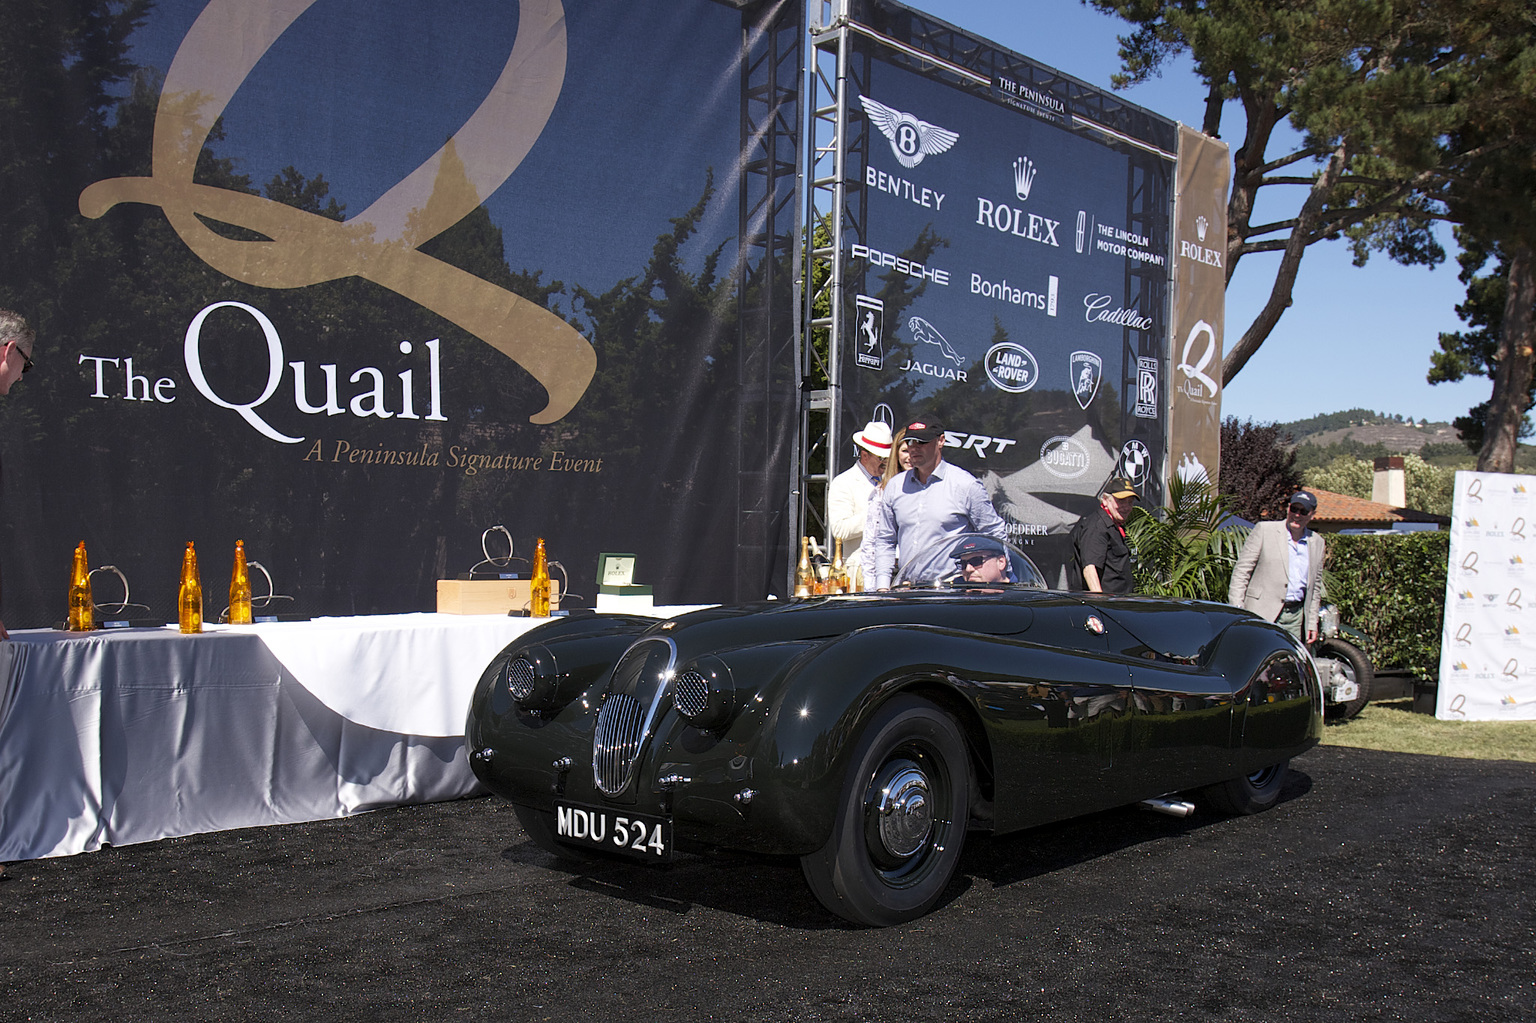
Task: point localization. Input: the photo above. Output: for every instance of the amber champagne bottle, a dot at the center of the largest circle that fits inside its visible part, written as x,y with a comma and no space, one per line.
538,592
240,588
189,600
82,609
805,580
838,583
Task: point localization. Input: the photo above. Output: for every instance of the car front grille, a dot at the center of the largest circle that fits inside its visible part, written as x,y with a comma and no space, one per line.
641,682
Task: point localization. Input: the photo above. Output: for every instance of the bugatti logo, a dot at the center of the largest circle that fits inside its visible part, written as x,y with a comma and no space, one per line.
1086,370
1064,457
911,139
1024,171
1011,367
1135,460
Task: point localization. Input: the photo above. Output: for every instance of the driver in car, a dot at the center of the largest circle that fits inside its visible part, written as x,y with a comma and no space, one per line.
982,560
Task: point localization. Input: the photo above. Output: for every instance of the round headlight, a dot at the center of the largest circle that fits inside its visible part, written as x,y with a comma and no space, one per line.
532,679
521,678
704,694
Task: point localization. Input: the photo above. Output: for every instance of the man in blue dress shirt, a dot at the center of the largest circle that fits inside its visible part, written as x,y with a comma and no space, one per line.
921,506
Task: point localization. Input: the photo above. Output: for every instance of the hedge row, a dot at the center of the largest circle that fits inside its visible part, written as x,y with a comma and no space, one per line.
1392,588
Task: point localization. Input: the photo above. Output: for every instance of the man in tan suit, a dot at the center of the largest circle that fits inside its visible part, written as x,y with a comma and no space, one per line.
1279,573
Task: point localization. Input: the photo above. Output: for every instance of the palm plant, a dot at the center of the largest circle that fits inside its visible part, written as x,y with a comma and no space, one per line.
1182,551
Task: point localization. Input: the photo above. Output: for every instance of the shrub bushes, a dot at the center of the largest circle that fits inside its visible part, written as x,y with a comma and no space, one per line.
1392,588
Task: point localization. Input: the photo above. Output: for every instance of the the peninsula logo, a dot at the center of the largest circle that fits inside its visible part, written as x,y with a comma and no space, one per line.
870,349
1096,309
1086,369
1064,457
1011,367
1024,171
1197,384
381,244
911,139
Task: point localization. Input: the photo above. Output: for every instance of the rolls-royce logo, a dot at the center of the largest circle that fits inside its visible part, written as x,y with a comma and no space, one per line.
1024,171
1064,457
1086,370
381,244
911,139
1011,367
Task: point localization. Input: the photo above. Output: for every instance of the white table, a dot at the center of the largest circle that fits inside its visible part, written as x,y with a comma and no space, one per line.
116,737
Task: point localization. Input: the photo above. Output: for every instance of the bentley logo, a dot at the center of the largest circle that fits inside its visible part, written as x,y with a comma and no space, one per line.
1024,172
381,244
928,334
911,139
1086,370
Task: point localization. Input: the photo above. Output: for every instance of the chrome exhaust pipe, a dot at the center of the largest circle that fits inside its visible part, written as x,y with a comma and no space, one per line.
1172,807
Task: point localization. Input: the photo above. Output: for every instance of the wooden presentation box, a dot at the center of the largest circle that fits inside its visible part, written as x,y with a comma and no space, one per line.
488,596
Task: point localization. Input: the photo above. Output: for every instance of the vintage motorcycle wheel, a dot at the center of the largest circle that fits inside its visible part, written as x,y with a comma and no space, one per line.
1356,667
901,818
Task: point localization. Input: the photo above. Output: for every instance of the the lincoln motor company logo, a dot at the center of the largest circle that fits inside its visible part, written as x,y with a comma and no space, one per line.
382,244
911,139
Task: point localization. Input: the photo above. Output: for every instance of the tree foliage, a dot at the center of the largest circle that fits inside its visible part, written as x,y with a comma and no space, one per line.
1429,487
1258,469
1406,111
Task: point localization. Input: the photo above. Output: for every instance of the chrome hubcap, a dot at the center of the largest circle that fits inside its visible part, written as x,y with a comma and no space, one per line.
904,812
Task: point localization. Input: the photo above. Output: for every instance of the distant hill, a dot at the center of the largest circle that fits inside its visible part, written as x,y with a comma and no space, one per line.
1357,432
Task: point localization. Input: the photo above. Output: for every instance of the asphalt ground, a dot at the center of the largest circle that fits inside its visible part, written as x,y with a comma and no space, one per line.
1383,887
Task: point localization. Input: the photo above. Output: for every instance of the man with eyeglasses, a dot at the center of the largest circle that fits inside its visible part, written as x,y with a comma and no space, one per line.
16,340
1278,575
921,506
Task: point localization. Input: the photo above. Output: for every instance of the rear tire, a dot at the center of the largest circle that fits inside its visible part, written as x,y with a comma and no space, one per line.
1251,793
901,818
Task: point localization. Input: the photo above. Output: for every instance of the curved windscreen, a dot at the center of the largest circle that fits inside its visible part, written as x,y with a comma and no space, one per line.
971,561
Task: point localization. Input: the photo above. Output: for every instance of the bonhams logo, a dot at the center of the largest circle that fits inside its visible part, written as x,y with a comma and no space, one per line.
381,244
910,138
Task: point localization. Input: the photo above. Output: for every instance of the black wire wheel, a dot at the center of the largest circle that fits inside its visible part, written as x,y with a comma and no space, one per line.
1252,793
901,818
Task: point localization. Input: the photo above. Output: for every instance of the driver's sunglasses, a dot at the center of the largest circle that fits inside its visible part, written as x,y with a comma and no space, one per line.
1301,509
26,360
977,560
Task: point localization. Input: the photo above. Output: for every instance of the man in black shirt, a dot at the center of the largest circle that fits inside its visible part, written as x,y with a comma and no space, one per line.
1103,557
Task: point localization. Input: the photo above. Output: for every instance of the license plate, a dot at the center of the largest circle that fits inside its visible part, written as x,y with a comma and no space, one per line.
630,834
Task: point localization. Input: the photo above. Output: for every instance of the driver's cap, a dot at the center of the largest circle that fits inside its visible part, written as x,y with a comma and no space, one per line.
973,545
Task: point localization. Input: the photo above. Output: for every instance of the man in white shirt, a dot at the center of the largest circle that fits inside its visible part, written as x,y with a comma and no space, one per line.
848,494
1279,571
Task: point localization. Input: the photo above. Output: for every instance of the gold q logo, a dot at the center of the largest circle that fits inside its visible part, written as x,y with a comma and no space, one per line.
381,243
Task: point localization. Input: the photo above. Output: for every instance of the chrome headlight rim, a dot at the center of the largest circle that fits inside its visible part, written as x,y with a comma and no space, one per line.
531,677
704,693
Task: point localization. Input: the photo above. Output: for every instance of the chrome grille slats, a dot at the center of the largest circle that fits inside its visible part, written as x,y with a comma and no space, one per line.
641,680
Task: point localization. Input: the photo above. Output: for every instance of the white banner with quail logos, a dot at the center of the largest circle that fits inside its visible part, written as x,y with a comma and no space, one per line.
1488,646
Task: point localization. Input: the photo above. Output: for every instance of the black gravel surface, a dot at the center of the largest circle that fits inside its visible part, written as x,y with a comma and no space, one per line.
1383,887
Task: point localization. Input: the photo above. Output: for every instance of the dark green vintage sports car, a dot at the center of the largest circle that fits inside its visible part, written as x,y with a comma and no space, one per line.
866,734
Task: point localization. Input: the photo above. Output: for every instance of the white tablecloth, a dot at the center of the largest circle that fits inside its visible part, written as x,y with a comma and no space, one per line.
111,738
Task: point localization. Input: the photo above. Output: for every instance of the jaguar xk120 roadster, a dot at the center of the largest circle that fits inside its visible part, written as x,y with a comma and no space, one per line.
867,733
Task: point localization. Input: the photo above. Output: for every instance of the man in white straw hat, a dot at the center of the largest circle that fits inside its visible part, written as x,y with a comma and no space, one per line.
848,494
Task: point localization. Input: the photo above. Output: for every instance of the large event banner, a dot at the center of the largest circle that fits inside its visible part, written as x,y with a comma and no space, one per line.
1488,646
1199,319
356,280
1007,271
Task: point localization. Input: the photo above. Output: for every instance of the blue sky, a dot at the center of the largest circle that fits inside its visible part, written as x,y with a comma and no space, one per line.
1355,337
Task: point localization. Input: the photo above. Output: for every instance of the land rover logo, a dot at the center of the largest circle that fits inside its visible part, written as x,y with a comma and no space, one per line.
1064,457
1011,367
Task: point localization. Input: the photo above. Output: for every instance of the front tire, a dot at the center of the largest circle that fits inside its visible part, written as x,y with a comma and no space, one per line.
1355,666
901,818
1253,793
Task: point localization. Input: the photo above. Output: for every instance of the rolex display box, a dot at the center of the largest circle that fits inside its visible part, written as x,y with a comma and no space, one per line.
489,596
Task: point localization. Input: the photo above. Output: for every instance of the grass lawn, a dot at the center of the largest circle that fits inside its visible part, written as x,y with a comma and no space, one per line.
1392,725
